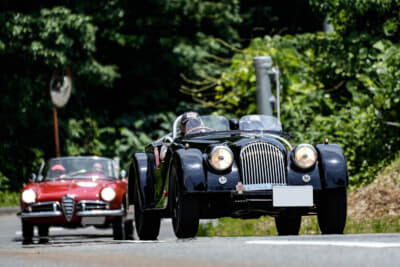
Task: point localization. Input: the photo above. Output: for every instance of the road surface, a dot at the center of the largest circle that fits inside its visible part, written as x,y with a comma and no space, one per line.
93,247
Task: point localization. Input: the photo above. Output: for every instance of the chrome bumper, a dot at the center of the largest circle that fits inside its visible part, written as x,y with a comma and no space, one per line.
41,214
93,213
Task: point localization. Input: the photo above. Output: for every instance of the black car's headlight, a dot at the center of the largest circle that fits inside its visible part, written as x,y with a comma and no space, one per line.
29,196
221,158
305,156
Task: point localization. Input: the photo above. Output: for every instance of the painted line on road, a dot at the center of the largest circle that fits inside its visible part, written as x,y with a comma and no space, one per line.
327,243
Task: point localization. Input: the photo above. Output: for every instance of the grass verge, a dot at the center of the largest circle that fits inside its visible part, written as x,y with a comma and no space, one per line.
9,199
265,226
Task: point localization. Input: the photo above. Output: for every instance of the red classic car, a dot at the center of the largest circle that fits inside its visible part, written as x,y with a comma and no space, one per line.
75,192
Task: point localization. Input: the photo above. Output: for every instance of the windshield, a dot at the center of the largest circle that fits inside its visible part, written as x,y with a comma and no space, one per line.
201,124
260,122
80,167
217,123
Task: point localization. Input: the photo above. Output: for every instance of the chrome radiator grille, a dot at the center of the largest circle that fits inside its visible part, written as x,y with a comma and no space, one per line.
262,163
68,204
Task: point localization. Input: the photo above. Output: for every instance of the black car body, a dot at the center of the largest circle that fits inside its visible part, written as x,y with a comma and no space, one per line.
242,169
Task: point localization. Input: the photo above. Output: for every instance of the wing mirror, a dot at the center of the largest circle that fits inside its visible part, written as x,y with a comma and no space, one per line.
122,174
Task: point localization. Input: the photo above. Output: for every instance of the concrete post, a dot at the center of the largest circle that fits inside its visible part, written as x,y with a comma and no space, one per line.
263,66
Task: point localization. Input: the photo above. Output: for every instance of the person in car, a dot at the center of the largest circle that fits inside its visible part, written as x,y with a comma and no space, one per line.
191,123
57,170
97,168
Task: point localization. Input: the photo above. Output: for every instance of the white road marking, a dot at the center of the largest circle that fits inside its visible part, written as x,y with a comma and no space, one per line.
327,243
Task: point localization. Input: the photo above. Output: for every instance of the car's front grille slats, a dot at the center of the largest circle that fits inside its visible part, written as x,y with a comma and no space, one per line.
262,163
68,204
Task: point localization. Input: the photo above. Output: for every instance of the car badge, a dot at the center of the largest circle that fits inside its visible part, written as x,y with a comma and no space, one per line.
306,178
240,188
222,180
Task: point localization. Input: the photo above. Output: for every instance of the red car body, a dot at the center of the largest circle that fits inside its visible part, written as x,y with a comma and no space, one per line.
75,199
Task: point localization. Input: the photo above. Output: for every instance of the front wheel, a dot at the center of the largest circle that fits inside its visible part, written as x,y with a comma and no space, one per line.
184,210
147,222
43,234
288,225
27,232
332,211
117,226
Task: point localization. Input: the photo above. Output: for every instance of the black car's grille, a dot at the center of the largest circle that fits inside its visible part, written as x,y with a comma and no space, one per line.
262,163
68,204
91,205
45,207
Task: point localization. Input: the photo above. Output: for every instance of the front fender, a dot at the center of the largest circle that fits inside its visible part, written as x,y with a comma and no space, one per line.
332,166
141,176
192,170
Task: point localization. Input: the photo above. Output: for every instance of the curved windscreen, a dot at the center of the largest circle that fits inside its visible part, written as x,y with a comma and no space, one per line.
217,123
260,122
80,167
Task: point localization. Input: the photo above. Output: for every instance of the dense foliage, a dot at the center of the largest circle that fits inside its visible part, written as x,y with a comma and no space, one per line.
128,60
342,85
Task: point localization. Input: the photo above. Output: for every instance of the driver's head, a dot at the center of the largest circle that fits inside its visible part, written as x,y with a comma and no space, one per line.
190,120
57,170
97,167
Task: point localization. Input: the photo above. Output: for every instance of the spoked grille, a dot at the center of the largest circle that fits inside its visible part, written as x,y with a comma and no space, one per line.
262,163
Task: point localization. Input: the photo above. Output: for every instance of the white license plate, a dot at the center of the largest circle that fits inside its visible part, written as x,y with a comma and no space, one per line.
292,196
93,220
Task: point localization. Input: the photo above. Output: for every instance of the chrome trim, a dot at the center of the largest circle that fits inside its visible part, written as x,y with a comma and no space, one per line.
119,212
262,163
175,127
41,214
45,203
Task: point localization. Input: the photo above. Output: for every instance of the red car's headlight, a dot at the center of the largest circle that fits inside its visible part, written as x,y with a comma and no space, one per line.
29,196
107,194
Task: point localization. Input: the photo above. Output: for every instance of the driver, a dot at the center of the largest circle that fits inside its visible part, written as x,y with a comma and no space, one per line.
57,170
191,123
97,167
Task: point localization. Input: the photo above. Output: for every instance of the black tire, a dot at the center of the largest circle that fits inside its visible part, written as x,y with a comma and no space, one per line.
27,232
184,209
118,229
147,222
128,229
288,225
332,210
43,234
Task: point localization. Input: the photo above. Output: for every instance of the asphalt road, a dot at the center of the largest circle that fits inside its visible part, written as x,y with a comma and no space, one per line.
93,247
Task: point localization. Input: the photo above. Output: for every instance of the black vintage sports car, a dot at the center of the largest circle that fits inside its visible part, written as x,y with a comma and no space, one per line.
242,169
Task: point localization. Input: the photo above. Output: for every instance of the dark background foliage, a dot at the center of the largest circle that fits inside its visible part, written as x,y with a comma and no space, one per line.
132,60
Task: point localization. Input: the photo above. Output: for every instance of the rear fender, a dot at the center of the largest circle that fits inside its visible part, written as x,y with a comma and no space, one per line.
332,166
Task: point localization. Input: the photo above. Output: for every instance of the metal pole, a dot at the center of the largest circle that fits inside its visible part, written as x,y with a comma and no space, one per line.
56,139
263,65
278,88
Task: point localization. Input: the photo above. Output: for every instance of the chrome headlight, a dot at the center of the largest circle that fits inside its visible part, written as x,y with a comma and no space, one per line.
107,194
29,196
221,158
305,156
